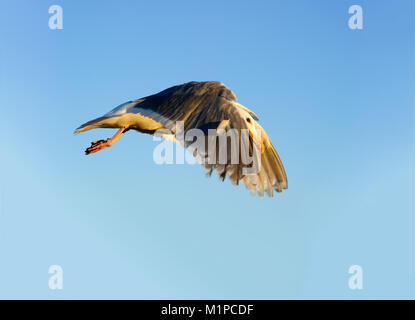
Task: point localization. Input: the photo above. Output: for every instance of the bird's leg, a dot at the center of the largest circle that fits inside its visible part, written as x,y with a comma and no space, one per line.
102,144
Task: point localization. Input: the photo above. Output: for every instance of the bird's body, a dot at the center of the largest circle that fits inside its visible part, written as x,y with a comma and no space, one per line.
204,106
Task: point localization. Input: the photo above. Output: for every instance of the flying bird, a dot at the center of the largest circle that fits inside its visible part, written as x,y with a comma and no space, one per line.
205,106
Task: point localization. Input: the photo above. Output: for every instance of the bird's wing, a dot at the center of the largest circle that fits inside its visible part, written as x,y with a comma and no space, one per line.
194,103
266,173
209,105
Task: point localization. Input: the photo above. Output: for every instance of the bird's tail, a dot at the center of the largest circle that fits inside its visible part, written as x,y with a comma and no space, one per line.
92,124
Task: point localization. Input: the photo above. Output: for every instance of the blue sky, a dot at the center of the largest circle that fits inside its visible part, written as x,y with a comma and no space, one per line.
337,104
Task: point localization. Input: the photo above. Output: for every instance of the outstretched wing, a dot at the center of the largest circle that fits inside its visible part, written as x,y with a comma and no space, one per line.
194,103
265,172
210,105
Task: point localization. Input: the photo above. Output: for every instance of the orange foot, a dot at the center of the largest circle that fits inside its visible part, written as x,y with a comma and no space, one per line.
102,144
98,145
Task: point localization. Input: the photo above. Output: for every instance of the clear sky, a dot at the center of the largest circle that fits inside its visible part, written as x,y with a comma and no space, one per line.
337,104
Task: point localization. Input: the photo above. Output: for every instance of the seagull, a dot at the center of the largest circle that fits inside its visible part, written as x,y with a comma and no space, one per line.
198,105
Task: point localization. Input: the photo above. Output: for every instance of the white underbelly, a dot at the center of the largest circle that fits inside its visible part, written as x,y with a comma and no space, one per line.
133,121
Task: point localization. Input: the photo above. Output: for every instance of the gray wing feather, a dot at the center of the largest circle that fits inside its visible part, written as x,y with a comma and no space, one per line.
194,103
